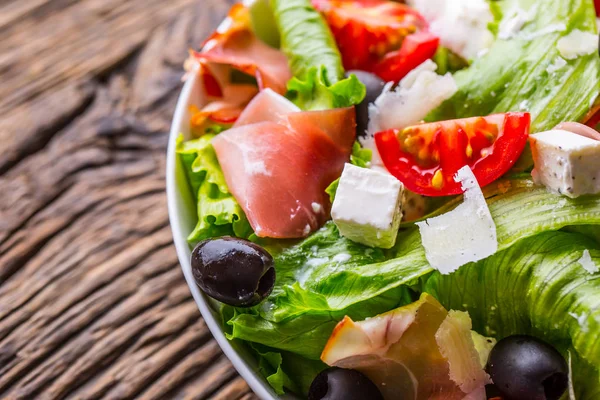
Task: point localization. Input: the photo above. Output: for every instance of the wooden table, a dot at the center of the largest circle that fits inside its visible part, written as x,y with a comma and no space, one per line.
92,301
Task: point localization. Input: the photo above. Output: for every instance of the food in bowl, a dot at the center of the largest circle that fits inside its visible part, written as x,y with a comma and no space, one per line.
402,200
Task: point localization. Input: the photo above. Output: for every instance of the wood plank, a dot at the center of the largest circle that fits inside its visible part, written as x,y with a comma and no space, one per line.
92,302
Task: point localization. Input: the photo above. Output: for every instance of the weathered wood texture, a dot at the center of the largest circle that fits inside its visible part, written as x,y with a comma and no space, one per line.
92,301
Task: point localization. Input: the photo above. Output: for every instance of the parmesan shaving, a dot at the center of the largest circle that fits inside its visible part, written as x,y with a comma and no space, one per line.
587,263
465,234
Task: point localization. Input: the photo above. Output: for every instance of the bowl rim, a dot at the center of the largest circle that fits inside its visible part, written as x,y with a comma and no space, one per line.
256,382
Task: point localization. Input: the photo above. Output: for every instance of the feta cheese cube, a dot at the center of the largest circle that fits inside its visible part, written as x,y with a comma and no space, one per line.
367,206
566,163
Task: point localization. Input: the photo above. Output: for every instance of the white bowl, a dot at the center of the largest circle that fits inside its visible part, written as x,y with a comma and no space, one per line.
182,216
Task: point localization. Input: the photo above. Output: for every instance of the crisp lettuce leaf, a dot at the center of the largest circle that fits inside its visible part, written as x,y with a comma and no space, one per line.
316,93
327,276
314,58
360,157
538,287
263,22
307,40
219,213
512,76
278,366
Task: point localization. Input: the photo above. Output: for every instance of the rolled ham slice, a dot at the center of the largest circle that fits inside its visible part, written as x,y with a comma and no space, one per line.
278,169
235,45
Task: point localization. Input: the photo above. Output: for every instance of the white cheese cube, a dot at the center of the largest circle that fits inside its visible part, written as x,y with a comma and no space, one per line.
566,163
465,234
367,206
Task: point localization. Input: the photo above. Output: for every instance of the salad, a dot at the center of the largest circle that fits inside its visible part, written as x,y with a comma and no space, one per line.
402,200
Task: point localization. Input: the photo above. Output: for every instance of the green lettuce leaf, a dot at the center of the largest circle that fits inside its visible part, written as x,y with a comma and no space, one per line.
537,286
278,366
263,22
360,157
307,40
512,76
315,92
218,212
327,276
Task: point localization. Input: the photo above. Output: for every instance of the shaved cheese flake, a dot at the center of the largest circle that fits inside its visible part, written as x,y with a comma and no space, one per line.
558,63
465,234
577,43
552,28
571,388
587,263
510,27
418,93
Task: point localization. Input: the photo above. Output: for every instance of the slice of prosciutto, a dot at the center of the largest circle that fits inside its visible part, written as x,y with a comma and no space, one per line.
278,169
234,45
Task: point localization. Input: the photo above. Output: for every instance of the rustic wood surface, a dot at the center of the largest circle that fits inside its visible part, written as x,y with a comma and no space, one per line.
92,301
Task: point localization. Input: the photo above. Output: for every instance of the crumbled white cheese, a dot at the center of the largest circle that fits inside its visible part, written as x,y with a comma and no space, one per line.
566,163
552,28
462,25
341,258
524,105
367,206
577,43
587,263
421,91
463,235
316,207
515,21
571,388
558,64
581,320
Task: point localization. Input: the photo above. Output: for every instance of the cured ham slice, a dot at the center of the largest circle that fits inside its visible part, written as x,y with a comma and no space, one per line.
278,170
336,123
224,111
267,106
235,45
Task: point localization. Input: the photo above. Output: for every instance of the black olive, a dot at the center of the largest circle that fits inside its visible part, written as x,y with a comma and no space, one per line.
374,87
343,384
234,271
492,392
526,368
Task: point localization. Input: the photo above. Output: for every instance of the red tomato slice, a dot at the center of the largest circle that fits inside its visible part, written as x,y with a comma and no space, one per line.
416,49
597,5
426,157
593,117
366,31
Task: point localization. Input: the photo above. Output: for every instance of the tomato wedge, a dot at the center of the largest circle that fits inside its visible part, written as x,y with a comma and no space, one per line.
416,49
380,36
426,157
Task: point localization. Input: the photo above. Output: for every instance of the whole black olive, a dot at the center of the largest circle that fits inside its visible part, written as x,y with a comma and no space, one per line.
374,87
343,384
234,271
526,368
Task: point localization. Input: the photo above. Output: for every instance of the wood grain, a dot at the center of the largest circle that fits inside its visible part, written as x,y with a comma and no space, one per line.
92,301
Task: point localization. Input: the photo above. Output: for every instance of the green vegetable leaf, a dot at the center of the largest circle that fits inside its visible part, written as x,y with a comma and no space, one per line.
263,22
537,286
306,39
316,93
513,75
278,366
218,212
327,276
360,157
